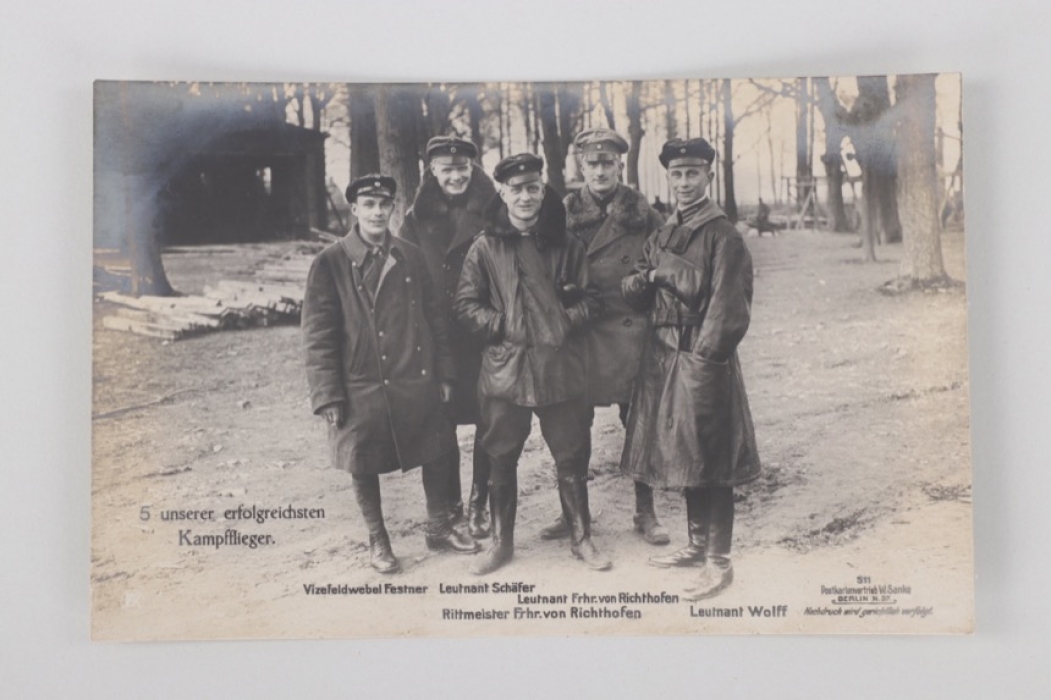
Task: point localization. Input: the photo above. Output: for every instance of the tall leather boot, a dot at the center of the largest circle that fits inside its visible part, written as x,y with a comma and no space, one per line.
441,535
718,572
503,503
646,523
477,506
367,494
573,492
696,527
454,488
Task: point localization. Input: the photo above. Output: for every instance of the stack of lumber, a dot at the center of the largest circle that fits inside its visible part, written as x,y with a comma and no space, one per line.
273,296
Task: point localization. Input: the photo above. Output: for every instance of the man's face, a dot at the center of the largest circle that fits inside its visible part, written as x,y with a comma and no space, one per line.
523,199
688,182
452,176
601,173
373,213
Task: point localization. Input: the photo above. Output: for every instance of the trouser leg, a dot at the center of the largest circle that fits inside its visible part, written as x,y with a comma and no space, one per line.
646,522
506,429
567,430
453,486
441,535
477,511
367,494
560,527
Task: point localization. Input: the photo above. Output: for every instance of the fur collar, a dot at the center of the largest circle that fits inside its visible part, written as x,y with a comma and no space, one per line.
551,226
430,202
628,209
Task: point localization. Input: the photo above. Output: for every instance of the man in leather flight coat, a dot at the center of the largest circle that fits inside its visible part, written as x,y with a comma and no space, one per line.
523,293
690,426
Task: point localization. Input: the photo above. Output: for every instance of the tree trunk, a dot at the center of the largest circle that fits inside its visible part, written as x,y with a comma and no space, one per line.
803,171
918,181
364,146
635,133
607,107
729,198
873,136
670,106
439,107
832,158
555,161
473,102
397,114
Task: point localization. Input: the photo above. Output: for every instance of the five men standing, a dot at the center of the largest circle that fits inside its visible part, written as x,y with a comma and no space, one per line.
541,308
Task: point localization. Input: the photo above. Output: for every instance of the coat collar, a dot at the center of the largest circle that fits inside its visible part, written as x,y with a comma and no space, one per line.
676,237
550,227
356,249
431,204
628,208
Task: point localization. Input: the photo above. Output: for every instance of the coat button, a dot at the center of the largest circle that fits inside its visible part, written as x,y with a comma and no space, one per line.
628,322
625,260
419,349
386,381
408,280
423,372
380,334
383,357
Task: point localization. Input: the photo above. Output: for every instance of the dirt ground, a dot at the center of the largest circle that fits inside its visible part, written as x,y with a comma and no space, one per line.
860,402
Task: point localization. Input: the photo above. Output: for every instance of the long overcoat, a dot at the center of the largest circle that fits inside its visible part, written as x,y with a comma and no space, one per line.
614,240
382,359
511,295
444,231
689,423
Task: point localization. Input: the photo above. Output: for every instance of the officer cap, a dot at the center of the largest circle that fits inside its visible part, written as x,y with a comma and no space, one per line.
687,152
516,166
451,147
604,141
374,185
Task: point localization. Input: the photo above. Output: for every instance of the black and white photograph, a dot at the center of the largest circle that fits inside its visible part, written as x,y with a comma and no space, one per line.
639,357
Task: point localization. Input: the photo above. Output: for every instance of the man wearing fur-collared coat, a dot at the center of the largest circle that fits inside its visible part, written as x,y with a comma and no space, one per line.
613,221
690,426
445,217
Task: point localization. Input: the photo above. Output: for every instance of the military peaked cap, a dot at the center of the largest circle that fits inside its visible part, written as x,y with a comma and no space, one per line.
451,146
689,151
374,185
518,164
601,141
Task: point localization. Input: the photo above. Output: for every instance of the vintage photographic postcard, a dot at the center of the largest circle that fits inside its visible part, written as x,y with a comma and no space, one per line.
447,359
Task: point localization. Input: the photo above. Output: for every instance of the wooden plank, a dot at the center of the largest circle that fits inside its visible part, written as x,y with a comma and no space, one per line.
149,330
175,319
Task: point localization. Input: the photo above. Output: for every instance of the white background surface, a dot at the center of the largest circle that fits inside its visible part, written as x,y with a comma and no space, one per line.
50,53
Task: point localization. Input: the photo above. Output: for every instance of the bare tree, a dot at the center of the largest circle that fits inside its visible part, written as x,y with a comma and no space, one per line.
832,114
607,106
364,147
918,187
872,133
548,103
635,132
397,116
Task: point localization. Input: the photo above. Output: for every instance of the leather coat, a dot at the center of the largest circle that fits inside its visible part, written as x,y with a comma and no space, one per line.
689,423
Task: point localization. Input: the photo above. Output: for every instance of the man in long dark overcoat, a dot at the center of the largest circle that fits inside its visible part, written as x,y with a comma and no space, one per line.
689,426
445,217
613,221
379,366
523,293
